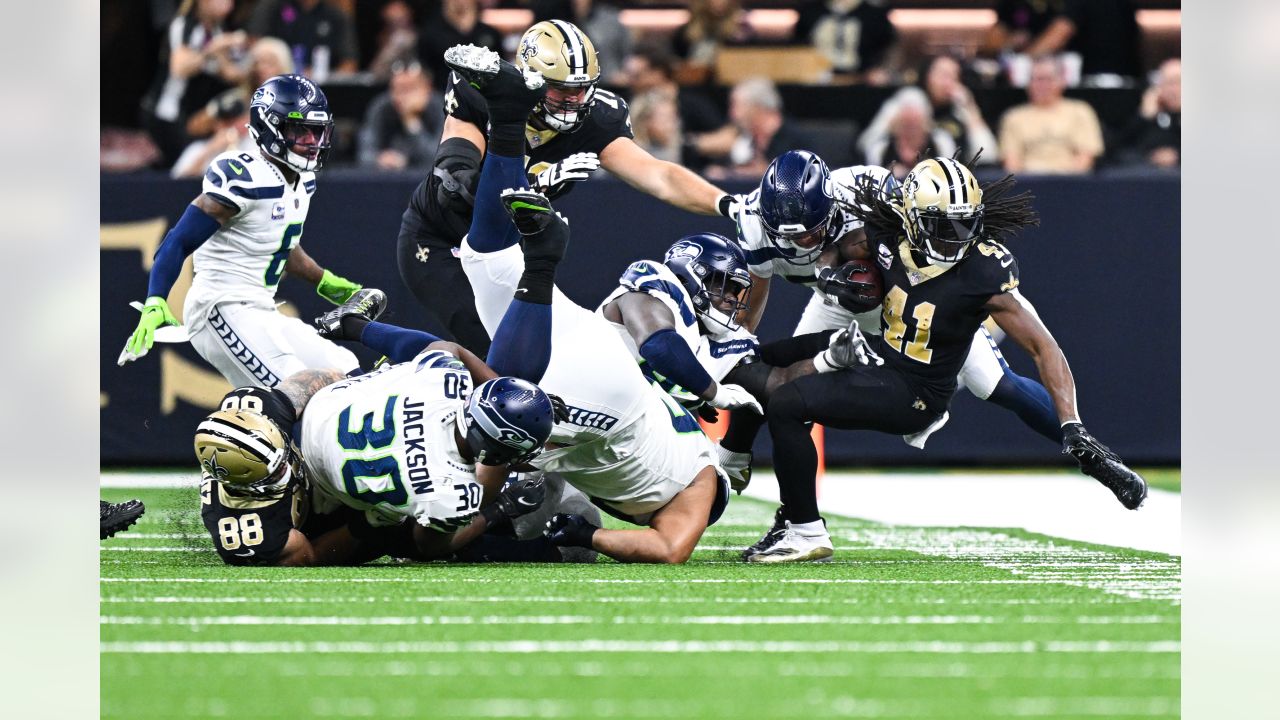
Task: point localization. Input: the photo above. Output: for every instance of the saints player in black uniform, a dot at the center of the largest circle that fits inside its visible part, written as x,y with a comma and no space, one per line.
937,243
574,130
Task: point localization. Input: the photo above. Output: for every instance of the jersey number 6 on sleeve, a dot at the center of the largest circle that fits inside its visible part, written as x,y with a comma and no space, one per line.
895,304
275,266
383,466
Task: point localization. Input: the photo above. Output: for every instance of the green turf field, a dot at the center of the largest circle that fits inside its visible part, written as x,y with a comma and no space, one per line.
910,622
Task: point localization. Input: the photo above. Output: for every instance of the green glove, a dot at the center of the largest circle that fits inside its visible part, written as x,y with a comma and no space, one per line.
154,314
336,289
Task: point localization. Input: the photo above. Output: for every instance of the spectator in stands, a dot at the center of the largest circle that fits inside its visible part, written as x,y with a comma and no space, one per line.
199,59
762,133
1018,22
712,25
232,118
652,70
403,125
656,123
1051,134
1155,136
855,35
267,58
950,106
321,36
602,22
912,135
1105,34
397,41
458,23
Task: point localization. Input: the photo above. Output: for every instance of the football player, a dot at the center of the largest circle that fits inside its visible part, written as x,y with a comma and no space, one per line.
626,443
800,225
945,271
244,230
574,130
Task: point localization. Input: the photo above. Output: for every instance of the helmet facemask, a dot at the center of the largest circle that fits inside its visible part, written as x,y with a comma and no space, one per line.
306,143
722,299
800,245
946,237
565,115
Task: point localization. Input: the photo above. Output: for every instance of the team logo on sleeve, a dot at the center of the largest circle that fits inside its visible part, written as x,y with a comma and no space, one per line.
884,256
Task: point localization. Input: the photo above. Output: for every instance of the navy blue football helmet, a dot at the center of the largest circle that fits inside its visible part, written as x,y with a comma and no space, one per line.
290,120
506,420
714,270
796,205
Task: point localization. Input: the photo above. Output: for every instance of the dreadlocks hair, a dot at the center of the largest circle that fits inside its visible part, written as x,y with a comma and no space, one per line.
880,208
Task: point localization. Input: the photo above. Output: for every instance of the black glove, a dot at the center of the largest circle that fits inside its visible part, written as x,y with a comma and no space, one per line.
853,295
708,413
518,498
572,530
1085,448
559,410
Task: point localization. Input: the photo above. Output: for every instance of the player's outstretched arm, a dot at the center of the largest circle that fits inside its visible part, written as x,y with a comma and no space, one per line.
672,534
1018,318
301,386
334,288
671,183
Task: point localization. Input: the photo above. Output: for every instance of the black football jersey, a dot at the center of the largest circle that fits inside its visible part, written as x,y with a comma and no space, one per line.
251,531
608,120
931,313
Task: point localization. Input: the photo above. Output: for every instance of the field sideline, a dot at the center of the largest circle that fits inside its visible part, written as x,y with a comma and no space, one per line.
910,621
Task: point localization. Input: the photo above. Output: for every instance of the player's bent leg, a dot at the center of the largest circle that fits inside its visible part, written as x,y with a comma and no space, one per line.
312,350
674,530
989,377
234,342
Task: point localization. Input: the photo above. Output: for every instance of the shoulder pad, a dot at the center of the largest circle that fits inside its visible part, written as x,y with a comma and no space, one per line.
437,359
994,267
639,271
242,178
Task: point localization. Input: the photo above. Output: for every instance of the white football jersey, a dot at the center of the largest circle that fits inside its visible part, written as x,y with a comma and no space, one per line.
767,259
716,355
384,443
245,259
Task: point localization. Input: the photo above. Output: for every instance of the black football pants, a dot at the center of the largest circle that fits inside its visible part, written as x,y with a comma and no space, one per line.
434,275
861,398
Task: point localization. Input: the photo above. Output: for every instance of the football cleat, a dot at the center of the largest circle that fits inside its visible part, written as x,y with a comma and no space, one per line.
544,233
510,92
772,536
118,516
1100,463
793,546
367,304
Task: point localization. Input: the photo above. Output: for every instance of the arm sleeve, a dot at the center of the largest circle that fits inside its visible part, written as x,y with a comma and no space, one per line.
669,355
193,229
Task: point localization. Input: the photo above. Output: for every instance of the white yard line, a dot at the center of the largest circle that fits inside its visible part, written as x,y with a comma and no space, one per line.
638,646
343,620
1065,506
588,581
637,599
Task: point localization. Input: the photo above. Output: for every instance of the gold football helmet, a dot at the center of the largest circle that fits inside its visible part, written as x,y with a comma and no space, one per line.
942,208
567,60
246,452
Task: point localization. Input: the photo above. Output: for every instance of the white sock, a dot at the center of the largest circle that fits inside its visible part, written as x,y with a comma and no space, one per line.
810,529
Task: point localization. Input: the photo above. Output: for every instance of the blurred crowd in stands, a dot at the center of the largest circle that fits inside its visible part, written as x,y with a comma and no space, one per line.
721,86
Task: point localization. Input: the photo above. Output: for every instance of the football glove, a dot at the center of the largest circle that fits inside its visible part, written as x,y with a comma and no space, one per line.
559,410
852,295
847,348
518,498
1100,463
335,288
554,181
707,413
572,530
730,205
154,314
735,397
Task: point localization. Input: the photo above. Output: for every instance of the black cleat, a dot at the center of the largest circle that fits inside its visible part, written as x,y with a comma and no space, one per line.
367,304
544,232
509,92
1100,463
771,537
119,516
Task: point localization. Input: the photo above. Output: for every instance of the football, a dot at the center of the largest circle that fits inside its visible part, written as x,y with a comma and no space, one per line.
865,285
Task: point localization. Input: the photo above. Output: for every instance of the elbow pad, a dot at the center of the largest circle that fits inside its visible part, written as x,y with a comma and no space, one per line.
455,175
669,356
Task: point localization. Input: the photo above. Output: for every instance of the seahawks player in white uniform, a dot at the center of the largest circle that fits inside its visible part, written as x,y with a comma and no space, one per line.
244,230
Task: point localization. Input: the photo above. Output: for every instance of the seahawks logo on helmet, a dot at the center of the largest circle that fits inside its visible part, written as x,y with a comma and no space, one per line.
262,97
683,249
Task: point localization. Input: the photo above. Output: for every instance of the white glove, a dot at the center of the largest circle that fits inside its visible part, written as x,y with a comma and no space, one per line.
575,168
847,348
735,397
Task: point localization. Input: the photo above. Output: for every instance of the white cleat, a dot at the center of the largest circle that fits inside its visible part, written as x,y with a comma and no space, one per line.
792,546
